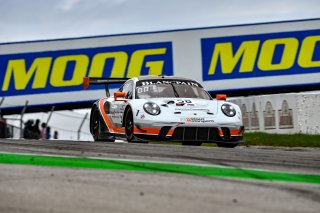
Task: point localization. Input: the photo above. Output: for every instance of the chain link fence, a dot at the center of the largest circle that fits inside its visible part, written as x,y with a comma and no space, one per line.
66,124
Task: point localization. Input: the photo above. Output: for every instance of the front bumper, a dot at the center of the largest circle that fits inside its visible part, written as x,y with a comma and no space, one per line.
189,126
230,134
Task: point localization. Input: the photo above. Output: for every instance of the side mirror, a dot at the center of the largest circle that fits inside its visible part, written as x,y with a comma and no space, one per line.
119,95
86,83
221,97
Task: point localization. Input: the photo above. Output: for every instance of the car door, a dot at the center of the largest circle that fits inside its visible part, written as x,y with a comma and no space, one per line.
119,106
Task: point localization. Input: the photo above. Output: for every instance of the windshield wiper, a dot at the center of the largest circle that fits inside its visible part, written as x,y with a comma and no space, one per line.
175,91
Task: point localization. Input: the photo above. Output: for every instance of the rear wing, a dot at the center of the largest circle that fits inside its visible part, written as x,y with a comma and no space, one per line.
87,81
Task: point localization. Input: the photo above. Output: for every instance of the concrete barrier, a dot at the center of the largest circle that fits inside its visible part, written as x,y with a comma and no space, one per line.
281,113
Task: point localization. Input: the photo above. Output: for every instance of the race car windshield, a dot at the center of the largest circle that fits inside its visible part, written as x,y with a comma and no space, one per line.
170,90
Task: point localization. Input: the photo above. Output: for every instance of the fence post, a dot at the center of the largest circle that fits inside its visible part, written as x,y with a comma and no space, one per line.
2,122
82,122
49,117
2,100
21,118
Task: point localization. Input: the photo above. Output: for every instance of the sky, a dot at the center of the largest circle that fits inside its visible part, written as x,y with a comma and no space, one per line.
25,20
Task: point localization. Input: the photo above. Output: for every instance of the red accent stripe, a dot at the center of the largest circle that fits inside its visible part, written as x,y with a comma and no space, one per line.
170,132
233,132
153,131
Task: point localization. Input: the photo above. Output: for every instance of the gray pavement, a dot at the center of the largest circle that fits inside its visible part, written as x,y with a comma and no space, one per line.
52,189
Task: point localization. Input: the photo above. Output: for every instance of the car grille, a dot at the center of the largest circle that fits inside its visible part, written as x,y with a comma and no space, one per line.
195,133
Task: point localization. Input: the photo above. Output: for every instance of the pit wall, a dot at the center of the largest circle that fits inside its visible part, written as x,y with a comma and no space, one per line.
281,113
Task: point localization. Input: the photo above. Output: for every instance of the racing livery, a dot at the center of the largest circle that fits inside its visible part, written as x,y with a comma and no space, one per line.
161,108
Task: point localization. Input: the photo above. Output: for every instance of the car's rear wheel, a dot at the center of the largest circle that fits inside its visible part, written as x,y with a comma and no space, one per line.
129,125
227,145
99,130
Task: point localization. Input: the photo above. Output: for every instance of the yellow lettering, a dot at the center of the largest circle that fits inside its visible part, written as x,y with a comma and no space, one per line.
17,69
287,58
118,68
248,51
59,67
307,50
137,59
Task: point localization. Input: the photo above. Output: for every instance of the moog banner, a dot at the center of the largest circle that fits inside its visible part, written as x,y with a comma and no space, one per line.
63,70
263,55
222,59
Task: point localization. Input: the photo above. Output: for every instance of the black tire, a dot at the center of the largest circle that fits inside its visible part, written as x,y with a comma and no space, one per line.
227,145
129,125
99,130
193,143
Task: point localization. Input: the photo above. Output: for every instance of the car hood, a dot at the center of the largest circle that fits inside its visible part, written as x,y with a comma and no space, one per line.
186,104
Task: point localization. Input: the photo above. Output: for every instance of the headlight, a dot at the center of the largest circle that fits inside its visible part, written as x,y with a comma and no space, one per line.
151,108
228,110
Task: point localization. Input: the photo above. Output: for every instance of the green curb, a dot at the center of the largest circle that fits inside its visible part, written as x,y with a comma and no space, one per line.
199,170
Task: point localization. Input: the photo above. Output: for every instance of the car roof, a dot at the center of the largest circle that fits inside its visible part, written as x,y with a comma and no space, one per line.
162,77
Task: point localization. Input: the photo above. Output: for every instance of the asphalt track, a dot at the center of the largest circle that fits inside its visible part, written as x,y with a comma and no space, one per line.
69,176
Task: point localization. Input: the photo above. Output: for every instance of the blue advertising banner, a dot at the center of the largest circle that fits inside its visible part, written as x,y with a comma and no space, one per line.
63,70
261,55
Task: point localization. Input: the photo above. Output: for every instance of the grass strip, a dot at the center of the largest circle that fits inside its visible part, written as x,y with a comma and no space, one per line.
284,140
270,139
209,171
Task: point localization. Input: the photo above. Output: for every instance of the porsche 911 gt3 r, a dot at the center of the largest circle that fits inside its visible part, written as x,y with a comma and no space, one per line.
159,108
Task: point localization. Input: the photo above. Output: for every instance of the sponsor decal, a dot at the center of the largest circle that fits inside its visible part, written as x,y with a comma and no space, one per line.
260,55
142,116
197,120
190,109
116,116
63,70
157,82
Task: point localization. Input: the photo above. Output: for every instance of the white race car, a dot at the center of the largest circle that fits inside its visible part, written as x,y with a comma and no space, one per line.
161,108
